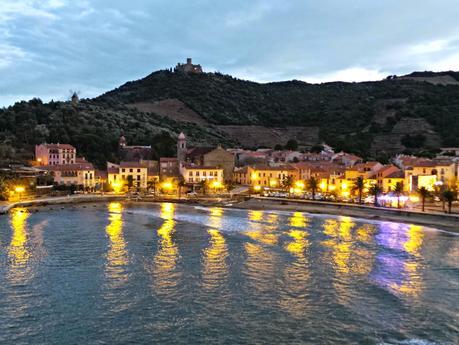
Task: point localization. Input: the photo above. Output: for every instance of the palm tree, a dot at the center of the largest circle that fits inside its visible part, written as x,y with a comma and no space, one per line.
313,185
398,191
203,185
180,184
359,185
423,193
287,183
130,181
376,191
151,185
449,196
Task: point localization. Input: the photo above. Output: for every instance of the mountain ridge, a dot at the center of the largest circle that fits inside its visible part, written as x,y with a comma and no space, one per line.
368,118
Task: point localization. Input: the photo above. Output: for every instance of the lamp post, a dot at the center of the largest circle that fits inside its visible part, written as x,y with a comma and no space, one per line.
19,190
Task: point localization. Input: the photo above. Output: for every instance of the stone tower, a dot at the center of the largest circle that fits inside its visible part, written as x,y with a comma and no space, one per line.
181,149
122,142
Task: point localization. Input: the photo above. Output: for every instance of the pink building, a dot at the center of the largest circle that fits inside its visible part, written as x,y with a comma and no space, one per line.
55,154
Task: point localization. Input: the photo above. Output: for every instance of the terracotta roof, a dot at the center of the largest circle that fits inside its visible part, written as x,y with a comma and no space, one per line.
101,173
59,146
396,174
273,168
168,159
132,165
242,170
199,151
69,167
201,167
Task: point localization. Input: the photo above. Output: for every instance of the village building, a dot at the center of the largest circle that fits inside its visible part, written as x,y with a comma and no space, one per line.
130,174
193,174
134,152
204,157
55,154
346,159
79,174
168,167
271,176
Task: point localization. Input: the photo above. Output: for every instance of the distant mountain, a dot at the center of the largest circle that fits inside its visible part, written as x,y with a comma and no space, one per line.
375,119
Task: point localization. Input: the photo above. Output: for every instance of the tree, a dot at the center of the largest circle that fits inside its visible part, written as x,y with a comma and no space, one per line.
181,184
423,193
375,190
291,145
449,196
278,147
203,185
316,149
313,186
151,185
130,181
398,191
359,185
287,183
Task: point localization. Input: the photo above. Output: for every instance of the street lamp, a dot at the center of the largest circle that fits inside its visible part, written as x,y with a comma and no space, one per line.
19,190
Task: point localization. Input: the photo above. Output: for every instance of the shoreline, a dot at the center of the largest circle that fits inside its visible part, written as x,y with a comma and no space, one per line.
64,200
435,220
445,222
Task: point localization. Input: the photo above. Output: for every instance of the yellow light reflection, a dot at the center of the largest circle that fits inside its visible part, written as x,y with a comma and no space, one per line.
165,275
255,216
215,269
347,257
18,251
293,295
167,210
298,220
415,239
117,257
412,283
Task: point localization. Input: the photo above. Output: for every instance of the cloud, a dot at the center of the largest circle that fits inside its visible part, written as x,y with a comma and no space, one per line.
50,46
10,54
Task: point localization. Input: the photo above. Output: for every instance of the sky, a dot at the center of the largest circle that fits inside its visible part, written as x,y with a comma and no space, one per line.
49,47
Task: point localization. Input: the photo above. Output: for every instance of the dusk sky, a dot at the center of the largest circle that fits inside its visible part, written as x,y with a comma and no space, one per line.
48,47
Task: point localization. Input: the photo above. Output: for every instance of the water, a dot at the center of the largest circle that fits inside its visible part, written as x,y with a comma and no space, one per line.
169,274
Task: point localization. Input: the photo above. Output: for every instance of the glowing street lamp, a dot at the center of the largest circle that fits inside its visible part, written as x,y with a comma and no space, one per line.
299,185
117,186
19,190
323,186
257,188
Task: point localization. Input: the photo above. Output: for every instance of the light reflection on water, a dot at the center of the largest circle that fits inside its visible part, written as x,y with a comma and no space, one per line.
215,268
270,276
18,252
117,255
165,276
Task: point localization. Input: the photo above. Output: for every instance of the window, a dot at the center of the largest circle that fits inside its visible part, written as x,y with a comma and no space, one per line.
191,179
138,170
190,174
197,173
131,170
203,173
138,177
123,170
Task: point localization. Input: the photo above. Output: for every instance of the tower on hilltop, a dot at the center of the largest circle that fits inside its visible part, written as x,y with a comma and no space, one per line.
188,67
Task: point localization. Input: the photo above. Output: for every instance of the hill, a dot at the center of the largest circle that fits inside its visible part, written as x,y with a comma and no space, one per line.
373,119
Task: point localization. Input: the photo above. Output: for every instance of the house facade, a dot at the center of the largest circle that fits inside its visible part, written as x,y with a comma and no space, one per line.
55,154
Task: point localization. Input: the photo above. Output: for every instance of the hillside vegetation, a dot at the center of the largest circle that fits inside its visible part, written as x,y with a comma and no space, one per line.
371,119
